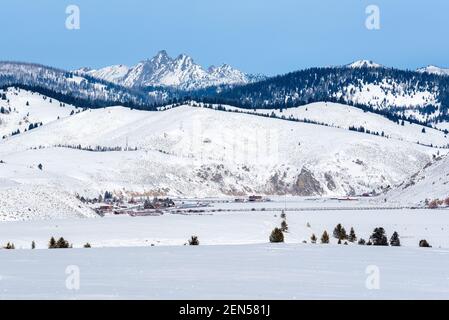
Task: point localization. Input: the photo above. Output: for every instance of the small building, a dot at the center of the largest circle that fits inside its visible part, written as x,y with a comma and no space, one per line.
255,198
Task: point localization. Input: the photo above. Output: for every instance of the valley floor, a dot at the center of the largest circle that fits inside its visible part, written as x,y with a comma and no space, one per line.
145,257
247,223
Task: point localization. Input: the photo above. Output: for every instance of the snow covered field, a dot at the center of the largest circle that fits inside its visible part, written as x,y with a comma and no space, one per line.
145,257
268,271
230,228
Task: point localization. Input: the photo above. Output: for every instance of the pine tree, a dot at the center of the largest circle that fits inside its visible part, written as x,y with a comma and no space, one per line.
340,232
337,231
52,243
352,237
378,238
62,243
313,238
33,245
325,237
394,241
276,236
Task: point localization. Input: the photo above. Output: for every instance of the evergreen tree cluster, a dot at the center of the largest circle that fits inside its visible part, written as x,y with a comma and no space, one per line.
61,243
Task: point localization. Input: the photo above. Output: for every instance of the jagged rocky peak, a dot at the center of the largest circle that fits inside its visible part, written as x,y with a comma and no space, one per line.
181,72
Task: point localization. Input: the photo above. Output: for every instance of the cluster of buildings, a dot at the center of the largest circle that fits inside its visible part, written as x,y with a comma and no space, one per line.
139,207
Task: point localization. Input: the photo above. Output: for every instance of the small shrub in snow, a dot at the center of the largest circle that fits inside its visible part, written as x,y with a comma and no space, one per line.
193,241
33,245
283,215
276,236
378,238
313,238
284,226
87,245
361,242
394,241
325,237
424,244
9,246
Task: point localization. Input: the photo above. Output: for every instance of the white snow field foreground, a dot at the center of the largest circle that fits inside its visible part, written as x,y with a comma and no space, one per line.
145,257
268,271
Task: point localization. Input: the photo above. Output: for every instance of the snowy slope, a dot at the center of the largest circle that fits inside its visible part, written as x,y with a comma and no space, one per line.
111,73
343,116
430,183
435,70
364,64
24,108
162,70
198,151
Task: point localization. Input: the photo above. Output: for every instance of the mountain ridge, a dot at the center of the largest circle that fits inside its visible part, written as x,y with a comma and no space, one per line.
162,70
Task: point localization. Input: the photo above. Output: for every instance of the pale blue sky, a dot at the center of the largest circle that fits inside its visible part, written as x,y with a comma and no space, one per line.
257,36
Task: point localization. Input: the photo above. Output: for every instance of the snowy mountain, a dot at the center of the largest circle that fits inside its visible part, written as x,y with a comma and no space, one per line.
434,70
363,64
396,94
180,72
74,88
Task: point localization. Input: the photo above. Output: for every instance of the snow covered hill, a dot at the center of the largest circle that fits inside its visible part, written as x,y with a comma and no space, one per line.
202,152
364,64
435,70
22,110
162,70
344,116
427,184
391,92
